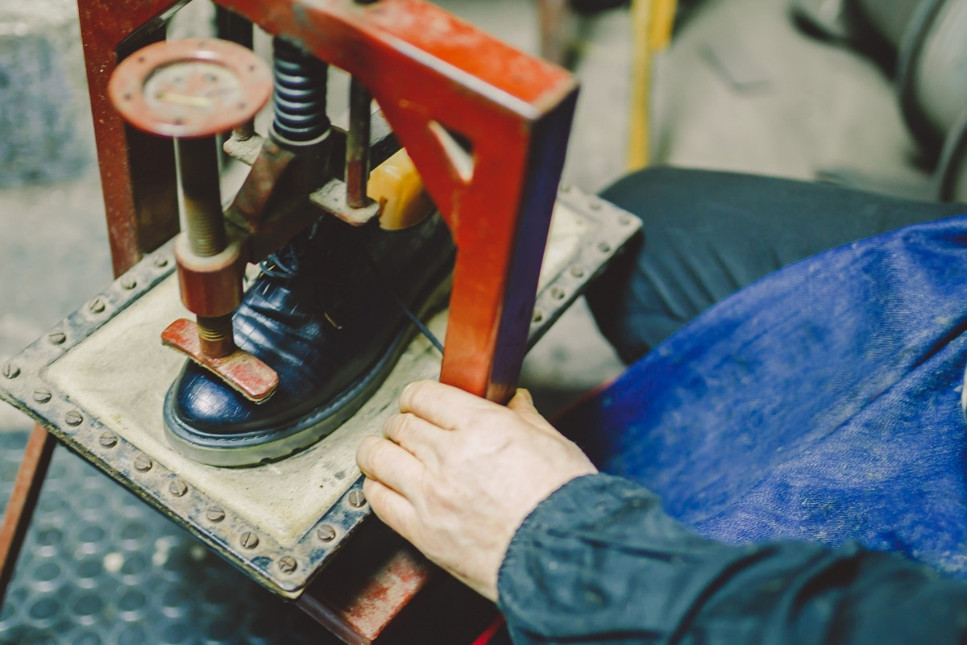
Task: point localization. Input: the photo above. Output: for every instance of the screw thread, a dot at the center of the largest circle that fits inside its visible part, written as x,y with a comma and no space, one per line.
215,335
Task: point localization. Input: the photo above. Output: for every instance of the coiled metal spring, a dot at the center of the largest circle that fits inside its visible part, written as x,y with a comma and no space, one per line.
300,93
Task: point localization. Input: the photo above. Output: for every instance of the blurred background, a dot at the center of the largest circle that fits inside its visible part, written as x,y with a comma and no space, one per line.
865,93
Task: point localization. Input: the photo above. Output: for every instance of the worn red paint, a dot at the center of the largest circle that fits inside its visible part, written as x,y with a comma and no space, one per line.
220,86
244,372
514,109
433,75
386,593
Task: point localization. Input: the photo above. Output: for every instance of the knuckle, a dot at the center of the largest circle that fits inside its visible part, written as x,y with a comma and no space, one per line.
399,427
382,453
416,395
364,449
375,455
390,426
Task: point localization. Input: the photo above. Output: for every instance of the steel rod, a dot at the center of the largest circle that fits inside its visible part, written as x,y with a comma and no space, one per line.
198,160
357,143
23,502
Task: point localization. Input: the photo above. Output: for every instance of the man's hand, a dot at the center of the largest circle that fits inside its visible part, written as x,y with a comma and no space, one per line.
457,474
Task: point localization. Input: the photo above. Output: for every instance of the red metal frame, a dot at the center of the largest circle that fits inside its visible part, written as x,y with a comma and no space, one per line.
486,126
431,73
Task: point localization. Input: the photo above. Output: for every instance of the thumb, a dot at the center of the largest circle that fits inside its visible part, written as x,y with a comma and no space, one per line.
523,404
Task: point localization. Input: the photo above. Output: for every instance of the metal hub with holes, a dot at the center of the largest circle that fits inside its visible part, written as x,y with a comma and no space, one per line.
190,88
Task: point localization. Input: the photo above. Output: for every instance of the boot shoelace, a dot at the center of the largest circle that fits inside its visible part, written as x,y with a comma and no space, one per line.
284,265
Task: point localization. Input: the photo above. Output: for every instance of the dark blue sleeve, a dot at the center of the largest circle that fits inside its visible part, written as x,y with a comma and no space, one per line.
600,562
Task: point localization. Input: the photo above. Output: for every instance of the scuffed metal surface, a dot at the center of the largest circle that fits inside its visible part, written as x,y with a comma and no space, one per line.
332,198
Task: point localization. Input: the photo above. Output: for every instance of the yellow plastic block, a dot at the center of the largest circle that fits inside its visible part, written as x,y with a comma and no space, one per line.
397,187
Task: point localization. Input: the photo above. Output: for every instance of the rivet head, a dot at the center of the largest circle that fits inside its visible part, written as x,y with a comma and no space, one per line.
142,463
538,317
96,306
128,283
287,564
73,418
558,294
249,540
57,337
11,371
41,395
161,261
604,247
624,220
356,499
214,514
595,205
178,488
326,533
578,272
108,439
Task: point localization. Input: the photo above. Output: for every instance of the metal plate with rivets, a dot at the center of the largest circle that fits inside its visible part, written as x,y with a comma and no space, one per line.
98,381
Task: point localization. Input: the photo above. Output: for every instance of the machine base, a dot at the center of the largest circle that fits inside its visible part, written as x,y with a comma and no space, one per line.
97,381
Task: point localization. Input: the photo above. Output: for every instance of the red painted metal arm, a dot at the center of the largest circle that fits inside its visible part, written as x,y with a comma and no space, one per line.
23,501
486,126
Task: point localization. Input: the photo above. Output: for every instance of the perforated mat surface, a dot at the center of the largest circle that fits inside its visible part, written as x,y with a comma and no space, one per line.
99,566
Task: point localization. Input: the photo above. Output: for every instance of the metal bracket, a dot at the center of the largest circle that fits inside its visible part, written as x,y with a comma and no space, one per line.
332,199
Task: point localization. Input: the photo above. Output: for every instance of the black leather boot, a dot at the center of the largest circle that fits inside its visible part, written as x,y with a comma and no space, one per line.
326,314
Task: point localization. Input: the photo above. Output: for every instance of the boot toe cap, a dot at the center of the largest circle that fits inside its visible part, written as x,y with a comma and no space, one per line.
202,404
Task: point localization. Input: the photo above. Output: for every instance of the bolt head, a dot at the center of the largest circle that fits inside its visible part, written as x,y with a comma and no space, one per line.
356,499
326,533
142,463
249,540
128,283
287,564
73,418
11,371
42,395
161,261
214,514
108,439
96,306
57,337
178,488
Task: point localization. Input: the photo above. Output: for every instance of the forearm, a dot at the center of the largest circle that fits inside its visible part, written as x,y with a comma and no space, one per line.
600,562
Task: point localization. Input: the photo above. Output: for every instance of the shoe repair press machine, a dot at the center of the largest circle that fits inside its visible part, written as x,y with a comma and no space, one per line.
486,127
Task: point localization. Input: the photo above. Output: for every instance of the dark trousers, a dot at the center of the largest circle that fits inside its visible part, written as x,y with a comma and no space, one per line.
708,234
